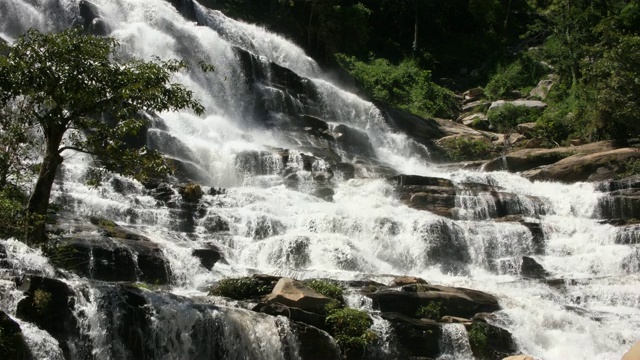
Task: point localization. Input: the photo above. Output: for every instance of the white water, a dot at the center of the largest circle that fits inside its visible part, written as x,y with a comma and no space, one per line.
365,232
455,343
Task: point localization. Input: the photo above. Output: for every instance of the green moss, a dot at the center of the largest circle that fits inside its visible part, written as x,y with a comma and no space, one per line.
326,288
431,311
463,149
240,288
41,301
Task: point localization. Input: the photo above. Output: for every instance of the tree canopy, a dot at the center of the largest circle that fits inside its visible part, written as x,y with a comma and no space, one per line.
81,98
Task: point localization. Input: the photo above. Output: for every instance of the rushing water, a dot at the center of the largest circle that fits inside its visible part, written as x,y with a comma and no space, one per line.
365,232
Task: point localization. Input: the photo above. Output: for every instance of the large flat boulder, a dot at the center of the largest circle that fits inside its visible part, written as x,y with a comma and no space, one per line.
418,338
586,167
459,302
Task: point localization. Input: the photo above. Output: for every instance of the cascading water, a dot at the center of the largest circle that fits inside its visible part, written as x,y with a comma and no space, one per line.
272,226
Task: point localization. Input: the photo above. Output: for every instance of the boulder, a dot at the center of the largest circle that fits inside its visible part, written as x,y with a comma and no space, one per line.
531,104
293,293
459,302
314,344
621,205
406,280
527,129
417,338
49,304
215,223
450,127
190,192
112,259
476,121
490,342
208,257
586,167
518,357
633,353
531,268
542,89
353,141
292,313
12,343
454,320
470,106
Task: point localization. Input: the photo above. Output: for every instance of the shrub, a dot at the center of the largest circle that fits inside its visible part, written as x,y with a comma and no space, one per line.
240,288
14,220
522,74
326,288
631,168
431,311
506,117
478,338
405,85
462,148
351,329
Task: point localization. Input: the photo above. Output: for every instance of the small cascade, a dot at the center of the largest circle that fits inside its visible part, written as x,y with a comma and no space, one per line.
455,343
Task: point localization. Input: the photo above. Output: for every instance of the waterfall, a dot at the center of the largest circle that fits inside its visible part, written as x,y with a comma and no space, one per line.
279,148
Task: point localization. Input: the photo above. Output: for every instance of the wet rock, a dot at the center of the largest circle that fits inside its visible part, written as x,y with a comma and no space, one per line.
446,246
111,259
406,280
622,203
110,229
418,338
325,193
628,235
345,170
353,141
215,223
458,302
292,313
12,343
263,227
163,192
455,320
190,192
258,162
215,191
293,293
315,344
531,268
49,304
208,257
489,341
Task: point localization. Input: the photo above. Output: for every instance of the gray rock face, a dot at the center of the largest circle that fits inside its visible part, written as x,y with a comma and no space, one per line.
531,104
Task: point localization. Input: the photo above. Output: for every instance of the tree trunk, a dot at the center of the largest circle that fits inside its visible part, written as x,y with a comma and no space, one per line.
39,200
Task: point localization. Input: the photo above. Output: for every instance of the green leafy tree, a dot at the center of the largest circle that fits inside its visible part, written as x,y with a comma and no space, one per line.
73,85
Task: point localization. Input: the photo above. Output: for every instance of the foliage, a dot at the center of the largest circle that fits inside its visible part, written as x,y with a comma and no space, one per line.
351,329
478,338
520,75
240,288
631,168
463,149
406,85
15,221
431,311
41,300
506,117
83,100
326,288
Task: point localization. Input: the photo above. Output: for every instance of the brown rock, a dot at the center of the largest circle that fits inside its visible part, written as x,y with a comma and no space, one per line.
454,320
519,357
293,293
633,353
406,280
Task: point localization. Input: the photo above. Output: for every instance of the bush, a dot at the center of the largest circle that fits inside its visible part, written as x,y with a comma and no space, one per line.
351,329
631,168
326,288
240,288
15,222
478,339
508,116
405,86
462,148
431,311
522,74
41,301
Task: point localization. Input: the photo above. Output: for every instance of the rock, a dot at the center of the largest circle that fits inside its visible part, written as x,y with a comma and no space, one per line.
353,141
476,121
190,192
586,167
292,313
474,105
293,293
454,320
450,127
406,280
542,89
345,170
112,259
459,302
446,246
518,357
12,343
531,268
163,192
263,227
473,93
527,129
325,193
208,257
314,344
215,223
418,338
531,104
489,341
621,204
633,353
49,304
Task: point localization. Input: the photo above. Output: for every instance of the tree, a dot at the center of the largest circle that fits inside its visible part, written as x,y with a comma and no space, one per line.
83,100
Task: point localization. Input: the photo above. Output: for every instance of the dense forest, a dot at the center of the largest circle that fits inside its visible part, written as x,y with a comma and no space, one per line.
414,53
